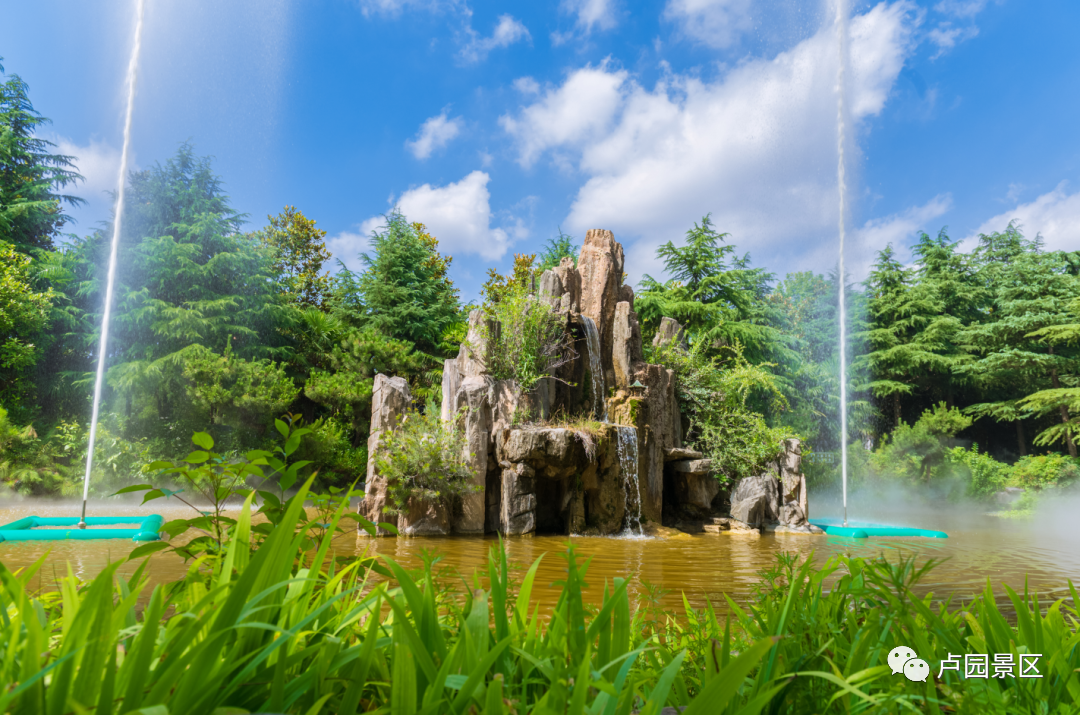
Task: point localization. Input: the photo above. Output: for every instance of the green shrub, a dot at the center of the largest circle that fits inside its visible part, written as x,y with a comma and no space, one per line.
330,450
423,458
984,474
528,339
919,452
1044,472
26,467
713,393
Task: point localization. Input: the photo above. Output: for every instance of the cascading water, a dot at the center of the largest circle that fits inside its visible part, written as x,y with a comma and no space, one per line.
132,74
843,60
599,390
627,448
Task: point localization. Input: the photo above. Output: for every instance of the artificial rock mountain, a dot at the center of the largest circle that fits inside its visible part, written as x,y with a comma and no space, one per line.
537,478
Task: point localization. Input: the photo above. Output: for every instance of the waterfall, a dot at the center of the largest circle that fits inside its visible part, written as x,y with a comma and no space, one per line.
628,465
132,74
843,59
599,390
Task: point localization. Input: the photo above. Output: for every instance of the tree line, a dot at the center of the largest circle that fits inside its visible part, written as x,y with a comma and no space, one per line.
225,327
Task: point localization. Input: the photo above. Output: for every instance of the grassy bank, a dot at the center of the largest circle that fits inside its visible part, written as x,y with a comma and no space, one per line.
258,627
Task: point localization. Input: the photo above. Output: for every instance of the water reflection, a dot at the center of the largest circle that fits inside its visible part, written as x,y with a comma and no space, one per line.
703,567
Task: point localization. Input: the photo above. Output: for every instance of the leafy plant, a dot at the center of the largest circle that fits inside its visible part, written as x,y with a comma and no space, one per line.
284,629
527,339
213,481
556,249
1044,472
713,394
918,452
424,458
986,475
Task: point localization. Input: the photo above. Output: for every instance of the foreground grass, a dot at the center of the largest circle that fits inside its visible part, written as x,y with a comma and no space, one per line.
263,630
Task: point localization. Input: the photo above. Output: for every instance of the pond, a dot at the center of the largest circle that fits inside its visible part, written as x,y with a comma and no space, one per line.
704,566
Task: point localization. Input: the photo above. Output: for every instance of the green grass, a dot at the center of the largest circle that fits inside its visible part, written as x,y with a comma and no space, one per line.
267,629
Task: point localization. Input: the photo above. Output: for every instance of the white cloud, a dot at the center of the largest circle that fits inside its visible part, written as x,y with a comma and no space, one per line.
434,134
568,116
348,245
961,8
507,32
458,214
99,163
899,229
591,14
717,23
526,85
1055,215
393,8
756,148
946,37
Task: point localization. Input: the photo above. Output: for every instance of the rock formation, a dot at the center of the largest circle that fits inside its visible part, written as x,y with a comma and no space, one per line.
390,397
630,469
776,500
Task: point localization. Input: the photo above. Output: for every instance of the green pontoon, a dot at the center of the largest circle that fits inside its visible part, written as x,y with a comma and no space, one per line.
862,529
29,528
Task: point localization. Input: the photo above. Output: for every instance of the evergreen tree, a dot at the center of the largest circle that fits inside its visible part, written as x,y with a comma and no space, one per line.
890,357
31,210
914,318
717,297
1059,400
404,291
186,277
555,250
1017,352
24,316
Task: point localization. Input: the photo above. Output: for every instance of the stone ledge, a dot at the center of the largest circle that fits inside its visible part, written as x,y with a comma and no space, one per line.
718,529
693,466
808,530
679,453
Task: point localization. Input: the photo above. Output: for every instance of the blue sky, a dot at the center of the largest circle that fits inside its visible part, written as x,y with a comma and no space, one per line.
496,123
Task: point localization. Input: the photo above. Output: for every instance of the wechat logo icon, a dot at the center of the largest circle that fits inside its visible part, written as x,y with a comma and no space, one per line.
903,660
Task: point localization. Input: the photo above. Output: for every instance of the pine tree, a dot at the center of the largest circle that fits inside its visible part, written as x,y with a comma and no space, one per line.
31,209
890,308
404,291
1016,351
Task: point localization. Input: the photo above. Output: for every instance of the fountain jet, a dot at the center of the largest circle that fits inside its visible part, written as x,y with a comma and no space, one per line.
132,75
841,180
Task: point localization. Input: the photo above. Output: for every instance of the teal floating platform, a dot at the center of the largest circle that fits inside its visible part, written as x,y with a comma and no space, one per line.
862,529
146,529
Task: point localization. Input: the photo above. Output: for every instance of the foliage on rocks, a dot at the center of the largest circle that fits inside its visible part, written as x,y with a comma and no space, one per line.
424,458
527,338
714,395
556,249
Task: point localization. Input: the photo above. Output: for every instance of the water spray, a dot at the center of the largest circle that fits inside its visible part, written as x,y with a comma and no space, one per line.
841,177
132,73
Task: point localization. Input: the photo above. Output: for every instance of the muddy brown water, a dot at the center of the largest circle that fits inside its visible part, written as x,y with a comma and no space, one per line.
702,567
